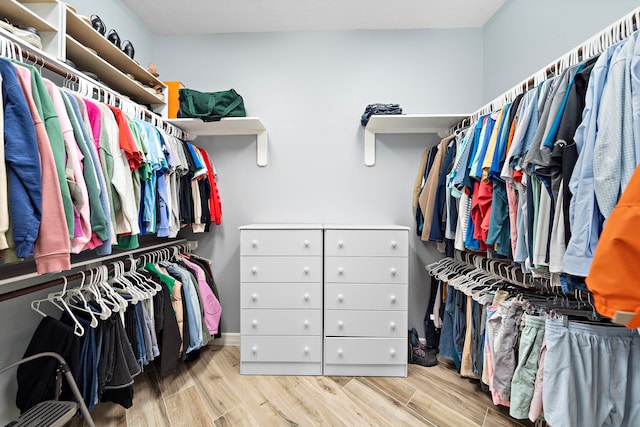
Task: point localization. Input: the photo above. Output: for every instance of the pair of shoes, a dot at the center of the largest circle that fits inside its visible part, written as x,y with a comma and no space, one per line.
126,46
418,353
27,34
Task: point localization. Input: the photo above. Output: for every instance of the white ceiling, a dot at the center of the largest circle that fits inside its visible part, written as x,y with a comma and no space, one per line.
235,16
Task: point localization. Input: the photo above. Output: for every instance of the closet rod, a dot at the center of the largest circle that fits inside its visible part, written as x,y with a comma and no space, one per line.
25,51
76,276
614,33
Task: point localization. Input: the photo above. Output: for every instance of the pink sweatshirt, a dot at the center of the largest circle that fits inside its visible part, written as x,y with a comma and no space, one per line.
75,157
52,248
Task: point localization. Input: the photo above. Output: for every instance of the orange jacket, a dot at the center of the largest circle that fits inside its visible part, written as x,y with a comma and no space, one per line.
615,271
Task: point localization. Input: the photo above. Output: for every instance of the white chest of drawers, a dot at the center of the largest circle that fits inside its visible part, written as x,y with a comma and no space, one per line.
326,300
365,300
281,299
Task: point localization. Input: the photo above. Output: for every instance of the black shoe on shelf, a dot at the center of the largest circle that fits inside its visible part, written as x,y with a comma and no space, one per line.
98,25
114,38
127,48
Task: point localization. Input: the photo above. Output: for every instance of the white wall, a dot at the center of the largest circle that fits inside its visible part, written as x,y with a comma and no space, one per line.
524,36
310,90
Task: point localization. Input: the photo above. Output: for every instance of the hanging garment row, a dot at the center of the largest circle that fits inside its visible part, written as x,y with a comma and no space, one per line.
524,346
164,306
536,181
102,179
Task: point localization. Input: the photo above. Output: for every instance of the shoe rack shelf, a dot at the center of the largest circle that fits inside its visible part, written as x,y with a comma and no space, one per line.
229,126
108,74
43,15
66,35
405,123
80,32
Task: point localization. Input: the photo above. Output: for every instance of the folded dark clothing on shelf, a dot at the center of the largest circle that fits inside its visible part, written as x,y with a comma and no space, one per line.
379,109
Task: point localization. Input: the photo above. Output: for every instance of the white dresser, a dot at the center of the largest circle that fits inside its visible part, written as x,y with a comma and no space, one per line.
281,299
360,330
365,300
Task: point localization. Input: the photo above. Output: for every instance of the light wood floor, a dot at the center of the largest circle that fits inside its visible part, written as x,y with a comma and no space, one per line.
211,392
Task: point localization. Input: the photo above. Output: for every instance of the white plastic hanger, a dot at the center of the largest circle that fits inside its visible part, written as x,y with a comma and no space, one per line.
55,298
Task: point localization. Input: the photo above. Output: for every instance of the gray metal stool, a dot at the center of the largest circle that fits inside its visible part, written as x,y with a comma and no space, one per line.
52,413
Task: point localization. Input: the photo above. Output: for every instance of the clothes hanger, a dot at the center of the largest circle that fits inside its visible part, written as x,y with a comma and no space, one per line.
152,287
55,298
123,286
83,307
105,312
120,304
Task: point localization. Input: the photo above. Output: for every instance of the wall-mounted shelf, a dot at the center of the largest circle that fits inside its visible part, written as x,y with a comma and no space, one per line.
229,126
86,60
43,15
414,123
86,35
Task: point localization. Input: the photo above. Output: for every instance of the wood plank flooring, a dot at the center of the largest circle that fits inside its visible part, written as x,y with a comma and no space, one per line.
211,392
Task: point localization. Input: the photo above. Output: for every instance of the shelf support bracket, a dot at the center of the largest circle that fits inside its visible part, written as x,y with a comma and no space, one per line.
261,148
369,148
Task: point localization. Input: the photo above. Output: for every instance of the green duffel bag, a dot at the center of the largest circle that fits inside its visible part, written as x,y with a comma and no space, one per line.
210,106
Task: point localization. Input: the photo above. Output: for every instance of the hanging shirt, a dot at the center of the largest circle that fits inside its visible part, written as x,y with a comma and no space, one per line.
583,210
80,195
52,246
24,181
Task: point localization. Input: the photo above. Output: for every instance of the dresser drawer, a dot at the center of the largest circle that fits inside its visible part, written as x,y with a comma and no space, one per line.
365,297
366,270
281,295
281,322
366,243
280,269
366,351
280,349
351,323
281,242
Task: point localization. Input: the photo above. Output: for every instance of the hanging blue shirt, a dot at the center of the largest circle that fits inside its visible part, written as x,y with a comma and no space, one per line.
584,214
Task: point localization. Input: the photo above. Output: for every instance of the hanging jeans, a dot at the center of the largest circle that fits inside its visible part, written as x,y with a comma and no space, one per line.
432,335
445,346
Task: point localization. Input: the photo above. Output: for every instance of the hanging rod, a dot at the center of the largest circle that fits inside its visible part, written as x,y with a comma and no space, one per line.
32,275
614,33
124,256
22,50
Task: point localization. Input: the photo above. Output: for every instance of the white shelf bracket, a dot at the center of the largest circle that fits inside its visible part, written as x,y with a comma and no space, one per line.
261,148
369,148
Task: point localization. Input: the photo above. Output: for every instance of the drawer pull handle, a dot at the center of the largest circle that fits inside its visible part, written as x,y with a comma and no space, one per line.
306,270
306,350
254,243
254,297
340,271
394,244
393,299
393,271
340,244
340,324
340,297
393,325
340,352
306,297
254,323
392,352
254,349
254,270
306,323
306,243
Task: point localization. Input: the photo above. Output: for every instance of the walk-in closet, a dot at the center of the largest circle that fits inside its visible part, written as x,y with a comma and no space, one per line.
306,213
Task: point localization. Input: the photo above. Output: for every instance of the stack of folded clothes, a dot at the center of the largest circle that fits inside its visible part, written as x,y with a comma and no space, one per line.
379,109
